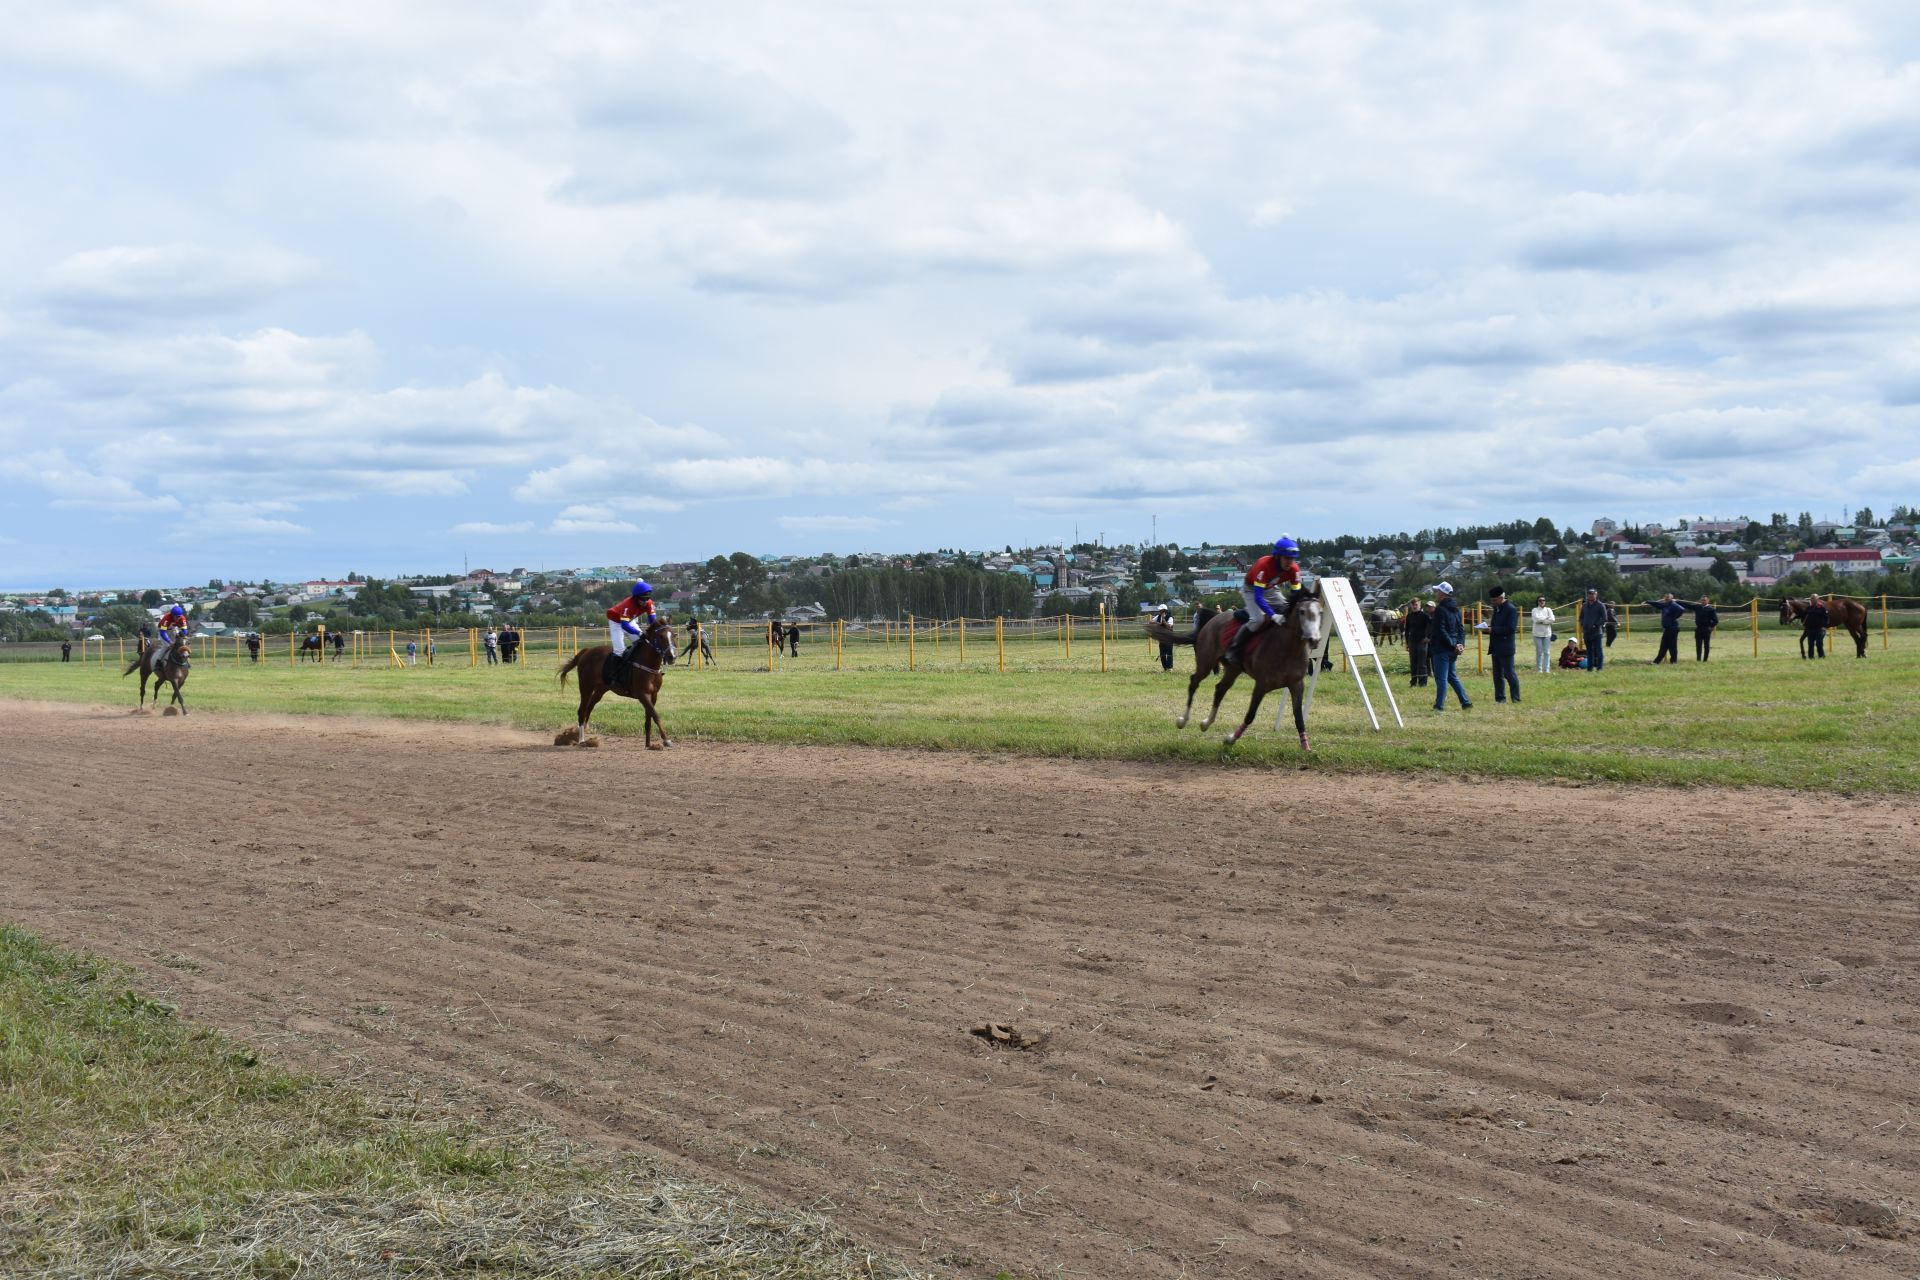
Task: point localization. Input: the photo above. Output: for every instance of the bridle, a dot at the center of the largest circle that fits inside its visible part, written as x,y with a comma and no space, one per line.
665,651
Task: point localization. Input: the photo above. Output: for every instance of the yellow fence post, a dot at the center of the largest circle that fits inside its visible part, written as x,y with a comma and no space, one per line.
1103,635
1753,610
911,628
1479,652
1067,630
1885,642
963,639
1000,641
771,649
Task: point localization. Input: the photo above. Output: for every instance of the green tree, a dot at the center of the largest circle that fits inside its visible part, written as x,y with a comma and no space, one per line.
151,598
236,611
1723,572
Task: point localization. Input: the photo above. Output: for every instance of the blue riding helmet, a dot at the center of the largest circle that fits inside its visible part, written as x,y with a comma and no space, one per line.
176,612
1286,546
640,588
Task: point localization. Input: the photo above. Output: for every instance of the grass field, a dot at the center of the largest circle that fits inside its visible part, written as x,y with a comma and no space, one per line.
1842,724
133,1143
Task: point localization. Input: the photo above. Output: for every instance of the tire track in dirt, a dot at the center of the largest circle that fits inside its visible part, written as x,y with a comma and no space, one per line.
1504,1029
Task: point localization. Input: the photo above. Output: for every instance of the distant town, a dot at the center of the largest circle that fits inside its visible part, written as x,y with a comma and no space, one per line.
1722,556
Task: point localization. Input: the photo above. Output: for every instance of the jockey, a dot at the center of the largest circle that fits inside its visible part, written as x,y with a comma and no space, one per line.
1279,571
621,619
173,627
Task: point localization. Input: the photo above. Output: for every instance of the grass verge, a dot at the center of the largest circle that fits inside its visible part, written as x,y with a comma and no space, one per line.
134,1143
1843,724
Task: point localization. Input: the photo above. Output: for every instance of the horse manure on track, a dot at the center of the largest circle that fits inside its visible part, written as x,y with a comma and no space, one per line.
141,711
573,737
1000,1034
171,711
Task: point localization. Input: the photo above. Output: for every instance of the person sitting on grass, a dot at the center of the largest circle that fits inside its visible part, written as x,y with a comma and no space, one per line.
1571,657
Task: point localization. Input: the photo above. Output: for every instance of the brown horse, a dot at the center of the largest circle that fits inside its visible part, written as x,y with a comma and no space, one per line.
1280,658
636,680
173,671
1848,615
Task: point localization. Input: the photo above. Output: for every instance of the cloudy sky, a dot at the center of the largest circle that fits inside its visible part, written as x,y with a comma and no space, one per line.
301,288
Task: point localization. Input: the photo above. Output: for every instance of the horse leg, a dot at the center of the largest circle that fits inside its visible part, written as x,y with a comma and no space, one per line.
1219,692
654,714
591,691
1300,714
1253,709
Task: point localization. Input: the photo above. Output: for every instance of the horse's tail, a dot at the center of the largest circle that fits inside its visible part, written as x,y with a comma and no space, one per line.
572,662
133,666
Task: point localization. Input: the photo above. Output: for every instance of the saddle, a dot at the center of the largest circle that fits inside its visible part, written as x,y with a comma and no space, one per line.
618,667
1237,624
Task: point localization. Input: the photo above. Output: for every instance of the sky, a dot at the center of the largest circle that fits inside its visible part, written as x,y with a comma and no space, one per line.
299,289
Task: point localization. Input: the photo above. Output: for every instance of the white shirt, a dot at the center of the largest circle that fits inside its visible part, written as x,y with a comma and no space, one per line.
1543,620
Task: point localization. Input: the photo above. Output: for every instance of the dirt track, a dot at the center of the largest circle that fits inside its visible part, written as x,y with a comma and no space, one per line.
1425,1028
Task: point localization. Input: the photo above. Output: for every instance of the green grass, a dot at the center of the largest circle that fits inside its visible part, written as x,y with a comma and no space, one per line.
1842,724
134,1143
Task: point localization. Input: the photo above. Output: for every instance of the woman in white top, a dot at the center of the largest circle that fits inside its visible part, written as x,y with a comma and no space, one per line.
1543,621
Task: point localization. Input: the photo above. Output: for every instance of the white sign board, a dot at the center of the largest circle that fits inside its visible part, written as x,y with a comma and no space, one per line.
1337,595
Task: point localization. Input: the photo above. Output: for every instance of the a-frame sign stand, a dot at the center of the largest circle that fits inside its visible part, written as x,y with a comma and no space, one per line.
1336,596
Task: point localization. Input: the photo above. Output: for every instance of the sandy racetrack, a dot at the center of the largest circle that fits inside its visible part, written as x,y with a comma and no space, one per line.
1419,1028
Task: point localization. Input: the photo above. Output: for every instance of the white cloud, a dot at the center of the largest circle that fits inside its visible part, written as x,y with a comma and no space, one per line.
489,527
832,524
123,283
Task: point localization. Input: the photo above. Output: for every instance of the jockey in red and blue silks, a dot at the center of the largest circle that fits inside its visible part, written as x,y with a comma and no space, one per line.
1279,572
173,627
623,618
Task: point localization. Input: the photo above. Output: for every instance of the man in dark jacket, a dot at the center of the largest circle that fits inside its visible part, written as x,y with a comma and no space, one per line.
1705,619
1445,643
1671,611
1419,625
1818,619
1503,625
1593,628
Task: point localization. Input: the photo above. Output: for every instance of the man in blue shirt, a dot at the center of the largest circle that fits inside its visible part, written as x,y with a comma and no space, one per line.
1671,611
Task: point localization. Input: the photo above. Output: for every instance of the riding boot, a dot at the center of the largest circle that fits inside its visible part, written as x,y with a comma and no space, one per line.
1237,646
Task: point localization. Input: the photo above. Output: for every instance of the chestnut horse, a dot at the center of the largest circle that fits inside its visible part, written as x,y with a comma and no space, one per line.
1279,657
635,679
173,671
1848,615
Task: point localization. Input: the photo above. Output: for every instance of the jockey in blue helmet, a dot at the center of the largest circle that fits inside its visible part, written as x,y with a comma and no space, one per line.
623,619
1279,571
173,628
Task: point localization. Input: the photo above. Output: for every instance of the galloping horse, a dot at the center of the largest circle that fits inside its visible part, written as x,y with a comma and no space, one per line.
630,680
1848,615
1280,656
173,671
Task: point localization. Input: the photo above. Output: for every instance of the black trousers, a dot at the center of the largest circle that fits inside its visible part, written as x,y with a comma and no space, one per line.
1702,644
1504,677
1166,657
1816,644
1417,653
1669,645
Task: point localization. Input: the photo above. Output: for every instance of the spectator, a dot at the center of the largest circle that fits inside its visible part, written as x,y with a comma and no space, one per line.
253,645
1593,628
1705,619
793,639
413,654
1571,659
491,641
339,645
1543,620
1671,611
1445,643
1419,626
433,647
66,651
509,642
1613,625
1164,617
1818,619
1503,630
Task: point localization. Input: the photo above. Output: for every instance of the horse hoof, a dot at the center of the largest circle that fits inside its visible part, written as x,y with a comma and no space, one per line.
654,746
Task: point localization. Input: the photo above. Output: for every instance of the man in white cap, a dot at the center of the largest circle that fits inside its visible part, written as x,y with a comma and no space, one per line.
1445,644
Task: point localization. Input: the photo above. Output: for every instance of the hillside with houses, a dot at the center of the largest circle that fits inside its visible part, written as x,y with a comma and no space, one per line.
1728,557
